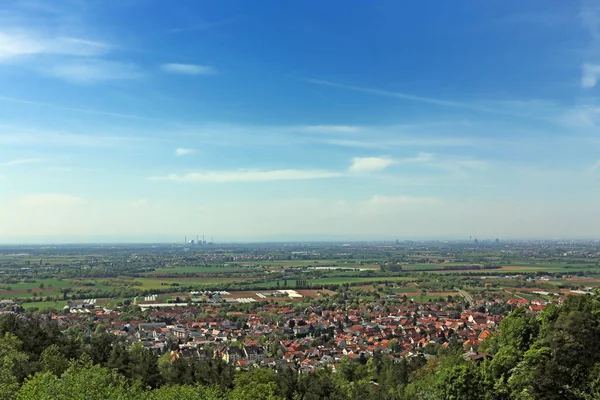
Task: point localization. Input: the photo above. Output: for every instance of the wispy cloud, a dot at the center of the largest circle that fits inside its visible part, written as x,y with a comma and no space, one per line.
472,164
22,161
585,116
589,76
20,138
331,129
379,200
184,152
248,176
355,143
72,109
460,167
370,164
373,164
406,142
405,96
590,17
15,46
78,59
189,69
92,71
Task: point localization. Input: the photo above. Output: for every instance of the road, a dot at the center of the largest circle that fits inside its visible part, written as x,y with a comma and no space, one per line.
466,295
516,295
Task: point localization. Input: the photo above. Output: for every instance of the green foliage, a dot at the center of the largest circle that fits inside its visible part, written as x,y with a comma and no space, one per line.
81,380
185,392
259,384
53,361
519,330
460,382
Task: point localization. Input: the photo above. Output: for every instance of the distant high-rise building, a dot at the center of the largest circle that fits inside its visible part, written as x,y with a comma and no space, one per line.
497,240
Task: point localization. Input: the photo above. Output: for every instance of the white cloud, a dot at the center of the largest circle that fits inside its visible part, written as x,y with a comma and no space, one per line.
355,143
22,161
589,76
331,129
15,46
248,176
92,70
378,200
370,164
189,69
52,200
184,152
421,157
73,59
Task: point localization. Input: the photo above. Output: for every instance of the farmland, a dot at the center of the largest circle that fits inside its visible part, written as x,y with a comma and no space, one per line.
37,276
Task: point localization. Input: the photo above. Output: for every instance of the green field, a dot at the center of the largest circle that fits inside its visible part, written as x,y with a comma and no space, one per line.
59,305
196,269
151,283
311,263
51,287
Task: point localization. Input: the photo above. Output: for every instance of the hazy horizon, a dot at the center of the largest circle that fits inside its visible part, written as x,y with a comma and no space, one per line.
116,240
246,120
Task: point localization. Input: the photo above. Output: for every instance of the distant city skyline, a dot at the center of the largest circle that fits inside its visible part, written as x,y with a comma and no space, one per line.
137,120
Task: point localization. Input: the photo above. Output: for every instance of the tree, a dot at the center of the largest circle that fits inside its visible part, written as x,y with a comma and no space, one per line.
460,382
186,392
519,330
14,361
9,386
318,385
143,366
100,347
258,384
81,380
53,361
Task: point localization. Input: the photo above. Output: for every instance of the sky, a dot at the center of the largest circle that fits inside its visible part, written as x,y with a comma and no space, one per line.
146,120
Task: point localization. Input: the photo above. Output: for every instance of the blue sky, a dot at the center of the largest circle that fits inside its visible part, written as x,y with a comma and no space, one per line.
139,120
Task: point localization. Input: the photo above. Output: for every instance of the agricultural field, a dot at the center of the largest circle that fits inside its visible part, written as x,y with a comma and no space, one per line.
58,305
109,272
